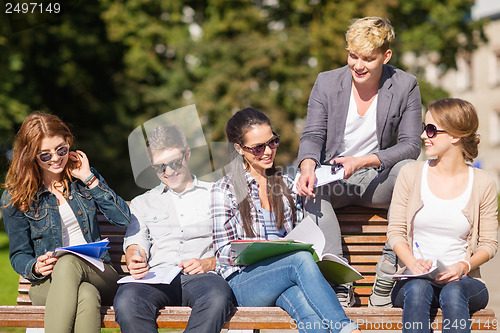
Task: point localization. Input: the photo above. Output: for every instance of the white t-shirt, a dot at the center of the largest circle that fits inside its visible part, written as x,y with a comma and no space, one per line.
360,136
440,227
71,231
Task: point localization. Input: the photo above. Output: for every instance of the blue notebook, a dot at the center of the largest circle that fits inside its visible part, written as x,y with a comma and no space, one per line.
91,252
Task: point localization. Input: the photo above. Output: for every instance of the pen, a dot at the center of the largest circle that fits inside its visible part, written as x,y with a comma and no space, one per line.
419,251
336,167
138,252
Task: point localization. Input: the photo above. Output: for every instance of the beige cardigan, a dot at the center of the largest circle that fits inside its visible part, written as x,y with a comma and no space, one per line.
481,211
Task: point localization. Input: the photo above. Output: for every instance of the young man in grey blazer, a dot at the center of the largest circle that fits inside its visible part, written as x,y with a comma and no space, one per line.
367,117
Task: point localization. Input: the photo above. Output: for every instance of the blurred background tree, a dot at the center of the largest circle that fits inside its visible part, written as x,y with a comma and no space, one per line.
106,66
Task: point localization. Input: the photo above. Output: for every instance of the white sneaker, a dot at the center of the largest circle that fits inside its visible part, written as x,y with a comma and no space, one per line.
345,294
382,287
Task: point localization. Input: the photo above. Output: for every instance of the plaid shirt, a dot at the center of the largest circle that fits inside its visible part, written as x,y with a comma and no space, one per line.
227,223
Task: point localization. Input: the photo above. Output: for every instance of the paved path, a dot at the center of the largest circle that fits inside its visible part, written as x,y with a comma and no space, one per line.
491,274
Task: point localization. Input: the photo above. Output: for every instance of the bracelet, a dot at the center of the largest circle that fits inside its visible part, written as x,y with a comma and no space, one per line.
90,181
466,264
88,178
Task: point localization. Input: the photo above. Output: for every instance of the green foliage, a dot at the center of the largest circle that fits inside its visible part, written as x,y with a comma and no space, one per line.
8,277
443,27
430,93
107,66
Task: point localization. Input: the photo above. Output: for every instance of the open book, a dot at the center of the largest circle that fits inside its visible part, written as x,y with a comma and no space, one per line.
91,252
305,236
163,275
437,268
249,252
324,176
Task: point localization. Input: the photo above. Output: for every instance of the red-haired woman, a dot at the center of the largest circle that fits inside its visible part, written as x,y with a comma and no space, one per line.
51,200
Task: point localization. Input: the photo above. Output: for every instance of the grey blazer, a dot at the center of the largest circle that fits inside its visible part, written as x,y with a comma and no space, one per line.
399,116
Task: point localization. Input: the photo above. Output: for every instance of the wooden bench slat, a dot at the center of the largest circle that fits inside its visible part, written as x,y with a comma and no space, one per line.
366,249
363,239
248,318
363,259
368,219
365,229
364,269
23,288
23,300
366,280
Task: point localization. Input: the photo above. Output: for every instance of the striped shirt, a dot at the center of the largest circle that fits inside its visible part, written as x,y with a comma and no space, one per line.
227,224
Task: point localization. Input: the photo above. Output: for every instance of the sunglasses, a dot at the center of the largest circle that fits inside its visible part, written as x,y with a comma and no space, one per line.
174,165
60,151
259,149
431,130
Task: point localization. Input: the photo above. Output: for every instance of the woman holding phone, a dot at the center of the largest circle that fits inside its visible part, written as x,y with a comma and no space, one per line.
444,209
51,200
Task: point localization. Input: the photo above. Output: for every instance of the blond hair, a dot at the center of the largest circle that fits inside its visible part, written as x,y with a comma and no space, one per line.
458,118
368,34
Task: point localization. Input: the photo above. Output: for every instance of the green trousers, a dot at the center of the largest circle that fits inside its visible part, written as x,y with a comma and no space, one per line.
72,295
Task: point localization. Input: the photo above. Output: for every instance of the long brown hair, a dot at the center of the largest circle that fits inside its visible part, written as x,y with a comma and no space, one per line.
24,178
236,128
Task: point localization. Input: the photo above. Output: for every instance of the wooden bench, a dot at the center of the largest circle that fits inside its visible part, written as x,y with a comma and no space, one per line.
364,232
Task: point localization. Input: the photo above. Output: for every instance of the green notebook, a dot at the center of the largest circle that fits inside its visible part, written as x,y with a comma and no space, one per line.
337,271
305,236
248,252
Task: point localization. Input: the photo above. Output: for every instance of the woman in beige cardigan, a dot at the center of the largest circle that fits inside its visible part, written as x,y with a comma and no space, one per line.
444,210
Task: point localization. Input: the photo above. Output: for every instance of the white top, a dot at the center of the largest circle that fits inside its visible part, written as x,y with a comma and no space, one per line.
71,231
172,227
440,227
360,136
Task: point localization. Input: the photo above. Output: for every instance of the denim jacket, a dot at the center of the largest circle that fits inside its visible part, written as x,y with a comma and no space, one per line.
38,230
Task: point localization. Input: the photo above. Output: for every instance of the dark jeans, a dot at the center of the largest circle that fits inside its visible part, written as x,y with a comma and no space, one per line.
209,296
456,299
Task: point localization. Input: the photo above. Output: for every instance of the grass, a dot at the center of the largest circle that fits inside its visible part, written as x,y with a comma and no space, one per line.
8,277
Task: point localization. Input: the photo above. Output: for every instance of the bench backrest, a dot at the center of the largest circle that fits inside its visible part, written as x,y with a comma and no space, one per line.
364,234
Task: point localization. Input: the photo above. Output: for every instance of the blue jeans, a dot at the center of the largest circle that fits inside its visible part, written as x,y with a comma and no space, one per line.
456,299
293,282
209,296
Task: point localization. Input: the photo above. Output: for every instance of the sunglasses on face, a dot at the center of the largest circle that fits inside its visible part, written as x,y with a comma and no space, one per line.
174,165
259,149
431,130
60,151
